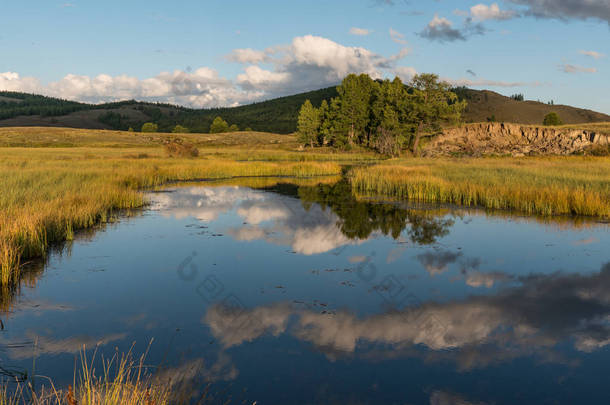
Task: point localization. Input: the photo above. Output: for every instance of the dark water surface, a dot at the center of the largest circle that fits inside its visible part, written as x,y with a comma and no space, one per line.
303,295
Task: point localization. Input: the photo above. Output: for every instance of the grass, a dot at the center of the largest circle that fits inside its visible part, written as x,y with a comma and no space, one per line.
535,186
81,178
123,381
48,193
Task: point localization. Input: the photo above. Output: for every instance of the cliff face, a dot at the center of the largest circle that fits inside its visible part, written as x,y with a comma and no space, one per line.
513,139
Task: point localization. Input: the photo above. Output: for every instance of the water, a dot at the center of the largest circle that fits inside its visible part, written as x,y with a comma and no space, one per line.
303,295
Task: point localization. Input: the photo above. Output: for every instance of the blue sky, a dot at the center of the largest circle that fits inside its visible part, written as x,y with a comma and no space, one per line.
209,53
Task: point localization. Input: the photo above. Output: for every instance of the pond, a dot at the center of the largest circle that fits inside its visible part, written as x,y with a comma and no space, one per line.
305,294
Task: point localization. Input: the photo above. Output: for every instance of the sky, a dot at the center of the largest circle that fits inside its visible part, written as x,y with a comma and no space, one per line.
208,53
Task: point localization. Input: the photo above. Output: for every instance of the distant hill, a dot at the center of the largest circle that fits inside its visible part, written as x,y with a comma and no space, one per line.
485,105
278,115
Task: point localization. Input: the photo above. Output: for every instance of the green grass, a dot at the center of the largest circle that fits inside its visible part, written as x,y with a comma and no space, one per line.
536,186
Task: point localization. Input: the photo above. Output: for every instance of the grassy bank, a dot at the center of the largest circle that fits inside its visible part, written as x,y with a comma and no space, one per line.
122,381
81,178
537,186
48,193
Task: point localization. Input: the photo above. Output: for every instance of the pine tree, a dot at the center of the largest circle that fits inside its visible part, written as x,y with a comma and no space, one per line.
355,95
308,124
432,103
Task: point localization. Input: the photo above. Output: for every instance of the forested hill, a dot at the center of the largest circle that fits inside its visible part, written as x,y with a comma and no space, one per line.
277,115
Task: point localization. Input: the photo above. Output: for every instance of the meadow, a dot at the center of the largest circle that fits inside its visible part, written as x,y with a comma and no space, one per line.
55,181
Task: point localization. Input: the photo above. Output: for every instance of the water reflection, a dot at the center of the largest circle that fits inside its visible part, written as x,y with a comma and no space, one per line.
322,218
334,299
533,318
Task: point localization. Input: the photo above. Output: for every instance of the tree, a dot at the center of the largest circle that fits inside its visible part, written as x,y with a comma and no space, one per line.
552,119
432,103
233,128
179,129
218,126
150,127
355,95
308,124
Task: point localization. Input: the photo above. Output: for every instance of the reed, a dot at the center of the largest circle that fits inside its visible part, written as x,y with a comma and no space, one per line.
123,381
534,186
50,193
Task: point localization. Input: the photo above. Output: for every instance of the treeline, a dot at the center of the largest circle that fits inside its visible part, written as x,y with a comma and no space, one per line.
386,116
277,115
14,104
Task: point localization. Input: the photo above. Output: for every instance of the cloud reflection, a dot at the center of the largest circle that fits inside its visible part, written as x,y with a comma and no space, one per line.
531,319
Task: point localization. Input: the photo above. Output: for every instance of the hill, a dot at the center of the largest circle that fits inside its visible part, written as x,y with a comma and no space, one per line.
485,105
278,115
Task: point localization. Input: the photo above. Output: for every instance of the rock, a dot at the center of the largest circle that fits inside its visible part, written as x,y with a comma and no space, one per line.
514,139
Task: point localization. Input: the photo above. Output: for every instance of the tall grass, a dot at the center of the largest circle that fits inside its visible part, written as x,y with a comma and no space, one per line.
535,186
48,194
123,381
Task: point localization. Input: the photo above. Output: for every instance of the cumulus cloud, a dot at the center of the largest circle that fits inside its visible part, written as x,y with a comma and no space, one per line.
567,68
201,88
441,29
567,9
247,55
359,31
593,54
308,63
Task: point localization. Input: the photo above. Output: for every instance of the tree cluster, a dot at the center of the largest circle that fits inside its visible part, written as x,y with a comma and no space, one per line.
383,115
219,126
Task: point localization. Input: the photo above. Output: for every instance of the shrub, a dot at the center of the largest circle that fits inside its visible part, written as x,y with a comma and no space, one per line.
179,129
150,127
180,149
552,119
598,150
218,126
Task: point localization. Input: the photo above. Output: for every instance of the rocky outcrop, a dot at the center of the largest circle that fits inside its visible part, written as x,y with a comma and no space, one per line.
512,139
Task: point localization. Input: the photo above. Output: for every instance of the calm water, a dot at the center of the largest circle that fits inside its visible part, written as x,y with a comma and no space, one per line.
304,295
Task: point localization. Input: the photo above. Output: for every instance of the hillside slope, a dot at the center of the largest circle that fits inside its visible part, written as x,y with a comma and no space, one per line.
277,115
485,105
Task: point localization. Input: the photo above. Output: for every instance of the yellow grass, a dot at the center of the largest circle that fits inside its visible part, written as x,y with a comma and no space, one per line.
538,186
122,381
82,178
48,193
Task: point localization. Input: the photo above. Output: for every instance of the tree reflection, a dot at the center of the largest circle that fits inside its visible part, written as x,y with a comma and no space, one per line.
359,219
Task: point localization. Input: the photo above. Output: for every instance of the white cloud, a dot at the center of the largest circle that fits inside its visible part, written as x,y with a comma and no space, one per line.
11,81
308,63
405,73
441,29
482,12
247,55
593,54
397,37
567,68
359,31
